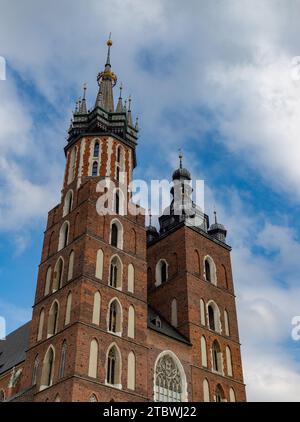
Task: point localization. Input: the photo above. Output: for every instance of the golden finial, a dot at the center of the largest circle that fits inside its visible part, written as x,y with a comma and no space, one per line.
109,41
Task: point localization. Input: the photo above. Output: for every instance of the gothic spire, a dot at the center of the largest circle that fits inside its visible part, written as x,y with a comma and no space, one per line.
119,108
106,81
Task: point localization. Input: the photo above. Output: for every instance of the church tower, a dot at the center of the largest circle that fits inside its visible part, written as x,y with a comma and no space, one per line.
124,312
190,283
89,322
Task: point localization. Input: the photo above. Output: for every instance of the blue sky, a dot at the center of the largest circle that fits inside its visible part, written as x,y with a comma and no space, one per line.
204,76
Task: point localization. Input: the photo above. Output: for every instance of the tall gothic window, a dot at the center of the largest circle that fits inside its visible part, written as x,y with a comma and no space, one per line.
117,203
63,235
113,372
115,276
216,357
114,235
220,396
213,312
115,318
207,271
211,318
53,319
161,272
68,203
63,360
168,381
35,369
48,368
96,149
95,169
58,274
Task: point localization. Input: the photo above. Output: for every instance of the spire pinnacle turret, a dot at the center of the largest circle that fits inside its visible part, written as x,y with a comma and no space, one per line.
119,108
129,115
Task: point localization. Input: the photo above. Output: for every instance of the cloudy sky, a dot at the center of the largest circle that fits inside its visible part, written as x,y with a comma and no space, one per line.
221,80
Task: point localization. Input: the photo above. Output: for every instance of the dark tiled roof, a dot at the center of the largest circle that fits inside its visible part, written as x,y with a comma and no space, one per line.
165,328
13,349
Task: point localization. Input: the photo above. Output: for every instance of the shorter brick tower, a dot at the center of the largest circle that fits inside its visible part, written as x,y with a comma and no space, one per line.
123,312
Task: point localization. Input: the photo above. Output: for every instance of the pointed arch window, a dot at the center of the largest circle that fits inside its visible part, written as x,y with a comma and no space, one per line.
53,319
210,274
115,276
213,314
161,272
220,396
116,234
229,362
216,357
115,318
96,149
41,325
206,391
63,360
35,370
131,371
113,367
68,309
48,281
48,369
96,309
68,203
174,313
130,278
71,265
203,352
58,274
131,322
93,398
232,395
93,359
63,235
170,382
95,169
99,264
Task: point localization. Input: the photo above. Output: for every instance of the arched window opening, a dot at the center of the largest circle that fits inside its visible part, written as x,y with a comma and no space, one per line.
229,362
96,309
169,383
161,272
63,235
71,265
216,358
197,262
174,313
203,352
72,165
48,369
93,359
117,203
95,169
113,367
96,149
115,276
48,281
99,264
115,318
53,319
63,358
213,313
68,203
35,370
41,325
58,274
211,318
68,309
226,323
131,371
232,395
116,234
220,396
130,287
210,273
202,312
224,276
207,271
2,395
131,322
206,391
93,398
57,398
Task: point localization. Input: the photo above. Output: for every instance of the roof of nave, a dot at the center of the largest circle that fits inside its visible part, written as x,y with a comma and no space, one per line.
13,349
165,327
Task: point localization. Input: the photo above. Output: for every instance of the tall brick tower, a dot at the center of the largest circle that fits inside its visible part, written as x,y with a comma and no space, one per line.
123,312
91,297
190,283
